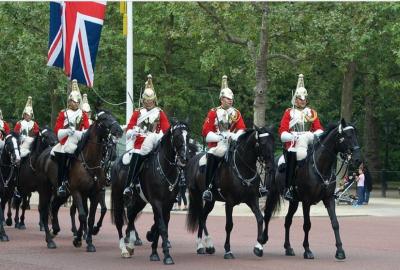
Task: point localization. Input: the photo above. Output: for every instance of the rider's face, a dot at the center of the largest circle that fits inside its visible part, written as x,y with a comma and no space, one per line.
149,104
73,105
226,103
301,103
27,117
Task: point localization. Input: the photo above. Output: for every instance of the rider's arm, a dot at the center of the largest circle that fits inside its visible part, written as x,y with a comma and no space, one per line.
17,128
35,128
6,128
284,131
164,123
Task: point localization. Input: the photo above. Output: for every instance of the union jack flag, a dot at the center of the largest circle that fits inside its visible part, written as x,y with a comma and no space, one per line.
74,37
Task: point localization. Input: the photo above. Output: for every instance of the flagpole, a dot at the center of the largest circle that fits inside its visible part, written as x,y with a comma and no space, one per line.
129,67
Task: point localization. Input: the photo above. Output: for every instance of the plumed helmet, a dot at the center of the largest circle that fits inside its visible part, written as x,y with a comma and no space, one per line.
225,91
28,107
85,104
301,91
149,93
75,94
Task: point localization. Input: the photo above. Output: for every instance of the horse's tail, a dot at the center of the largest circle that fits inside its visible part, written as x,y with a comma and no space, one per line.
195,200
273,203
118,215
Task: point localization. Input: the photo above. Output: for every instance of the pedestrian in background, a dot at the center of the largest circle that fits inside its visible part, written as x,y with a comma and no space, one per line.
367,184
360,186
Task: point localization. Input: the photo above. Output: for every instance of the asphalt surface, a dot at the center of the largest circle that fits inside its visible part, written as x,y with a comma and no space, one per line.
371,241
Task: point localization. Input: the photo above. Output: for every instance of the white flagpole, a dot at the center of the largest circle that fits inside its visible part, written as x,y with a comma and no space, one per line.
129,67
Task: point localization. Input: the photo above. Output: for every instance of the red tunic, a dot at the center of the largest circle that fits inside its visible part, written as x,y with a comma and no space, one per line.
5,129
163,125
84,124
210,124
35,128
284,126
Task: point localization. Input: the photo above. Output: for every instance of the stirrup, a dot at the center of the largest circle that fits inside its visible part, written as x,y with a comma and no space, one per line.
128,192
17,195
207,195
288,194
62,191
263,191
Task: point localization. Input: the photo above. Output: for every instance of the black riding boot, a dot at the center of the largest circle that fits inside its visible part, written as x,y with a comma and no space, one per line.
133,179
212,164
291,163
61,175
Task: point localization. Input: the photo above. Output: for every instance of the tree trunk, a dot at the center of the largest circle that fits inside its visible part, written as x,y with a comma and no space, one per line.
371,128
261,73
347,91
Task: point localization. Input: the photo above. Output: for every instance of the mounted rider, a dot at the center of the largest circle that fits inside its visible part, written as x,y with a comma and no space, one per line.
146,127
70,126
297,129
222,124
86,108
4,130
27,128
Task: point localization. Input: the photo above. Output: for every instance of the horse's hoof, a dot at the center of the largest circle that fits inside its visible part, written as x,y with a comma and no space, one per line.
130,250
91,248
95,230
201,251
22,227
210,250
54,232
169,244
51,245
77,243
340,255
168,260
229,256
16,225
4,238
126,255
289,252
149,236
8,221
308,255
138,242
258,252
154,257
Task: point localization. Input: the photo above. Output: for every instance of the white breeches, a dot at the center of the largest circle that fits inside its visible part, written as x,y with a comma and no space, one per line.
149,143
24,147
69,147
220,149
302,145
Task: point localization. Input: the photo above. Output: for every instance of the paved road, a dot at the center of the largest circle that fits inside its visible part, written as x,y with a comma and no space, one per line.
370,235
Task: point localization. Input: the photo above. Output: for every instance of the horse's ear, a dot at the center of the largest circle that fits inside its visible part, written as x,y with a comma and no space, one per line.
343,122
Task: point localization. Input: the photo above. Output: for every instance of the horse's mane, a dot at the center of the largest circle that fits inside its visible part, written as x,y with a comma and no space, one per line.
85,138
245,135
329,128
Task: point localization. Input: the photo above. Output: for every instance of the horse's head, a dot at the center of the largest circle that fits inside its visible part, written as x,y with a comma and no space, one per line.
107,124
180,140
347,142
48,137
11,152
266,147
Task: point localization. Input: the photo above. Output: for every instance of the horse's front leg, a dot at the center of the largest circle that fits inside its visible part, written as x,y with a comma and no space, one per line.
253,204
44,206
25,203
293,205
72,212
17,204
55,207
79,203
228,229
208,243
3,235
306,227
103,212
94,201
9,214
330,206
162,231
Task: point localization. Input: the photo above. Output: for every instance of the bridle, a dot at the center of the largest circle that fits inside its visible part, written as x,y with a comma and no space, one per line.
160,170
13,165
346,156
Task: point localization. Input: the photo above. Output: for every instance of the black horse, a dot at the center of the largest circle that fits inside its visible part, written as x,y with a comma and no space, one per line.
237,181
109,155
159,186
86,179
9,164
28,179
315,181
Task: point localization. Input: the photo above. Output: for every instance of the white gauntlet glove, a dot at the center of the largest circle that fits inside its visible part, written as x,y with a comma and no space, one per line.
288,137
213,137
131,133
79,134
62,133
